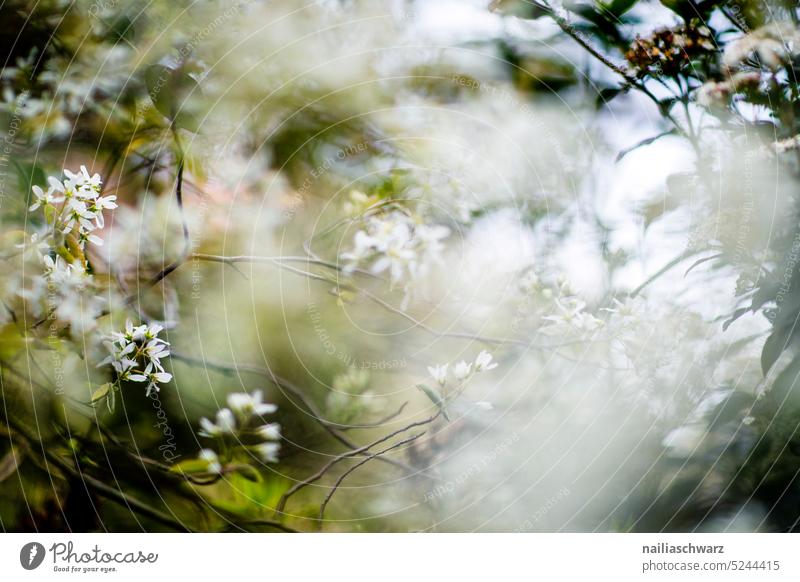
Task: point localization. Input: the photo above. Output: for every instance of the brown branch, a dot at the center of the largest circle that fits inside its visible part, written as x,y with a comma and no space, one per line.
284,384
281,505
270,523
631,80
374,298
364,461
386,419
187,243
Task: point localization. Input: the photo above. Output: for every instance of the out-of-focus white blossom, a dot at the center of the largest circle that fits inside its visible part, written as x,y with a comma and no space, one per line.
439,373
462,370
65,292
225,424
717,94
248,404
269,432
268,452
397,244
772,45
210,457
240,422
572,319
484,362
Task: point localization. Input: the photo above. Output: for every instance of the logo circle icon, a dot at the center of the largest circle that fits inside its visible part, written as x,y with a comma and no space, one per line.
31,555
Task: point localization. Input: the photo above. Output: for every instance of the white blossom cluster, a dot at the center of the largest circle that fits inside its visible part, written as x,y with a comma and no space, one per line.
136,355
713,93
74,206
571,318
240,421
462,371
553,309
64,293
448,391
773,46
398,244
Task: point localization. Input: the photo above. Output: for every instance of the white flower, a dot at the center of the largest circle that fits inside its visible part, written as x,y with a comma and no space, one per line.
431,237
684,441
773,45
267,451
713,94
364,245
462,370
269,432
82,209
106,202
136,355
226,424
248,404
212,459
571,319
44,198
82,183
155,379
484,362
155,350
439,373
717,94
398,245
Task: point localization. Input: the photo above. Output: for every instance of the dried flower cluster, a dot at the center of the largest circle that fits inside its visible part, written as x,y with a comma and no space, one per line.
669,50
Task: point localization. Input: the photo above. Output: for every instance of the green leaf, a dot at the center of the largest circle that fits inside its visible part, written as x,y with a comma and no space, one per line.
783,391
605,96
435,397
170,88
101,392
10,463
699,262
616,8
734,316
12,342
643,143
248,472
773,348
190,467
730,408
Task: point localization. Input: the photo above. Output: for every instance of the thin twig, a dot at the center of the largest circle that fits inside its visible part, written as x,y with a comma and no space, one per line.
281,505
186,241
344,475
284,384
677,260
359,290
385,420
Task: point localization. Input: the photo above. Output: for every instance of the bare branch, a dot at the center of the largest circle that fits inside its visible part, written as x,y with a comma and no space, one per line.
320,473
344,475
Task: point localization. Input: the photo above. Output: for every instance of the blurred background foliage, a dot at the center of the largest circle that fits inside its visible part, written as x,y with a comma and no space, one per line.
628,153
